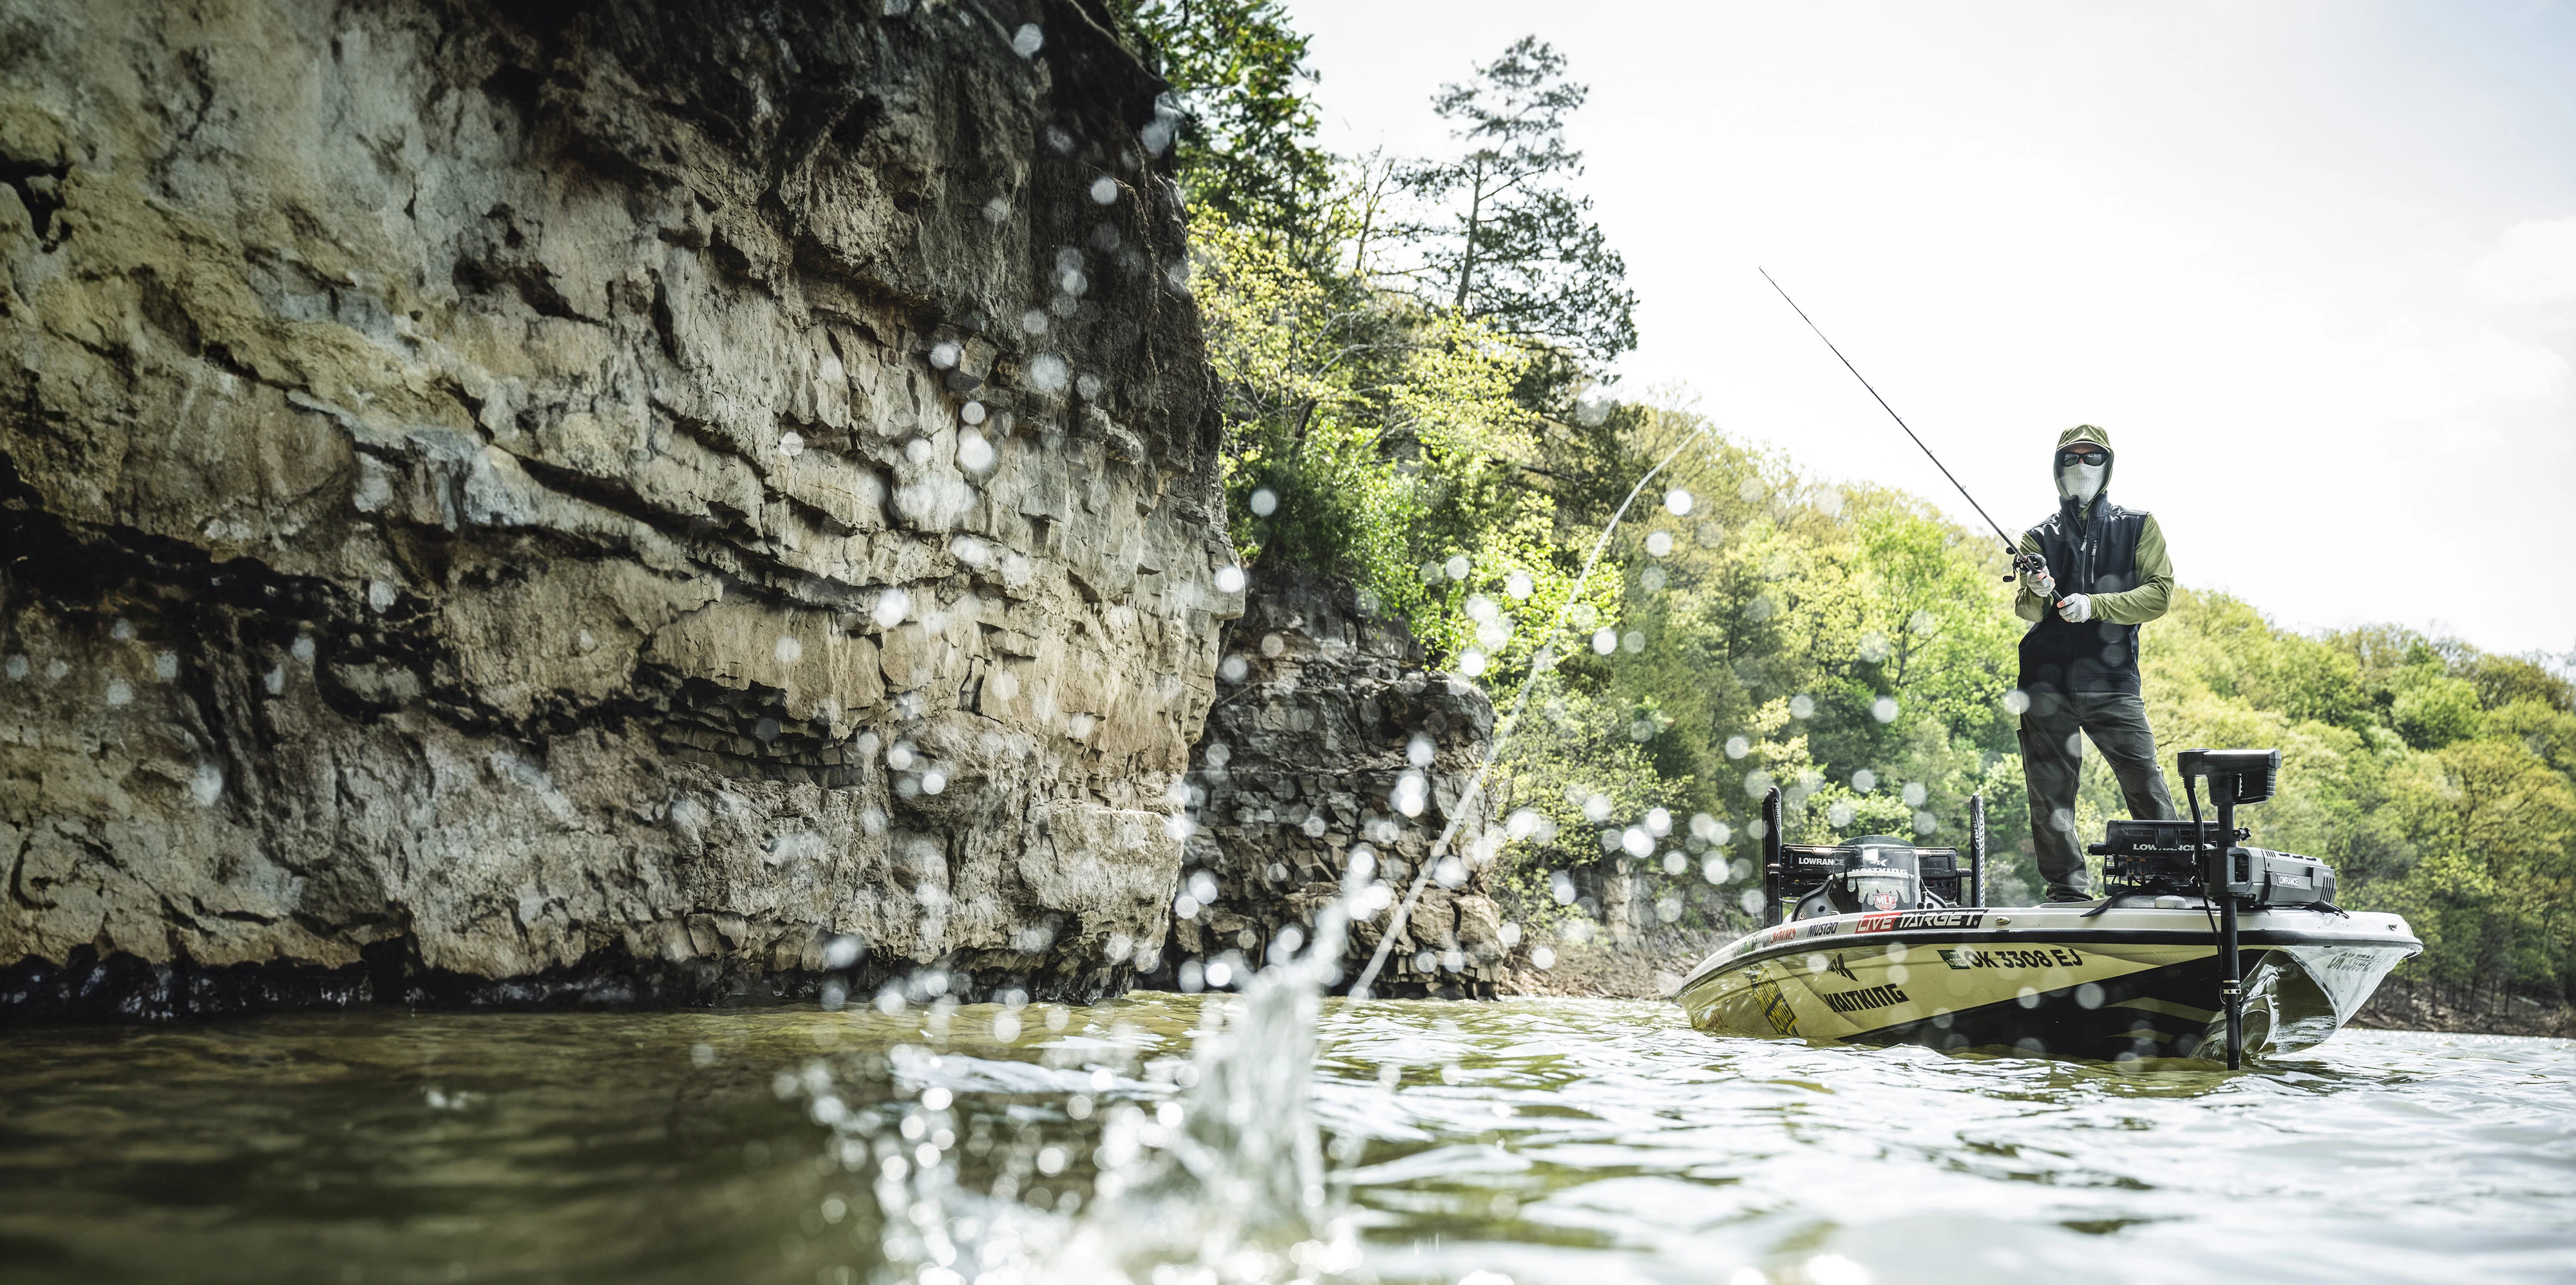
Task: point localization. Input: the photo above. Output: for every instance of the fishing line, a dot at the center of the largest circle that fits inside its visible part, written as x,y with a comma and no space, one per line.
2012,549
1494,749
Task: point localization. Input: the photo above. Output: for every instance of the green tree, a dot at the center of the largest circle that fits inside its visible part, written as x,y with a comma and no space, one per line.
1506,242
1240,113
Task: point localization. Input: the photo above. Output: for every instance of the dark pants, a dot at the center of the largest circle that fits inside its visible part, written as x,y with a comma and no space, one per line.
2052,752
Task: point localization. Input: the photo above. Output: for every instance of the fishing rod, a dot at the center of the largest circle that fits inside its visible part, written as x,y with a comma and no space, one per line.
2022,562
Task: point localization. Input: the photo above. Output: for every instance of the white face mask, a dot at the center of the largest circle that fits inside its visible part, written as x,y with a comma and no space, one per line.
2081,482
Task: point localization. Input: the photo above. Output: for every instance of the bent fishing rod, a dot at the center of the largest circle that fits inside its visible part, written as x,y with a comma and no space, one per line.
2021,562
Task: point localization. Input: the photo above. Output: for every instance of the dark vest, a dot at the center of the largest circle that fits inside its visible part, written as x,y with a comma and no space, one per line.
2099,556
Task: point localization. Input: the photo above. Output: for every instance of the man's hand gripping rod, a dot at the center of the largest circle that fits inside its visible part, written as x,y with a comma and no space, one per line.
2023,563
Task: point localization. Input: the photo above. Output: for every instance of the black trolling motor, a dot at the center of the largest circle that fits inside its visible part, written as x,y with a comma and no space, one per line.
2235,776
2022,563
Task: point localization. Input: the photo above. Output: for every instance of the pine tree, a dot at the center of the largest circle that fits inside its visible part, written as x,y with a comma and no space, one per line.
1506,243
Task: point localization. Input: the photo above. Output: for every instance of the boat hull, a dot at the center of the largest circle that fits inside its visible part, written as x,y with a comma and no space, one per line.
2123,985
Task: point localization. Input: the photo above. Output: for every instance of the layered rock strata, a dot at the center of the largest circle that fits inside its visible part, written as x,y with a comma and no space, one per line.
590,499
1330,742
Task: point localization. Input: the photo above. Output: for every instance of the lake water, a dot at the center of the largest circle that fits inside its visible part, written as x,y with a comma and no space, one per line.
1555,1140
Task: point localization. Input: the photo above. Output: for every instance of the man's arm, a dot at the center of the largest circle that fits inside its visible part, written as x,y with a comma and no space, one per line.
2155,583
2030,604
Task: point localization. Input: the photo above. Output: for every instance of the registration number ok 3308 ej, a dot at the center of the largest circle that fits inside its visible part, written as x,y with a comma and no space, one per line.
2034,957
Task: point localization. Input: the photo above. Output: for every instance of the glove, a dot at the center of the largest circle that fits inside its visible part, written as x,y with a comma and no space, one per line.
2077,608
2042,583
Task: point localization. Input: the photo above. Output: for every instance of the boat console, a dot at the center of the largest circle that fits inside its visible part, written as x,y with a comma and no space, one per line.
1873,872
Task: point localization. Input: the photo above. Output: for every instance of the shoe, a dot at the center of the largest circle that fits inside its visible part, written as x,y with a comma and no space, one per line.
2062,896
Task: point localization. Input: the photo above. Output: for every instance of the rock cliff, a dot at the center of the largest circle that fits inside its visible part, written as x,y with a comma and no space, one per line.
596,500
1329,738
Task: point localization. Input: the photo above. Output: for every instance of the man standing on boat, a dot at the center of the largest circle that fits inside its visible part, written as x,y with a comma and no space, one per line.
2106,573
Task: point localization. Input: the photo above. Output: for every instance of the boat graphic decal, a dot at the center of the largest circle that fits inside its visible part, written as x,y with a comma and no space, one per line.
1901,921
1775,1007
1887,996
1841,969
2044,957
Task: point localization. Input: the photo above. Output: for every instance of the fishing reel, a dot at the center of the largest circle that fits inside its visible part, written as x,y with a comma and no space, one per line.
2024,564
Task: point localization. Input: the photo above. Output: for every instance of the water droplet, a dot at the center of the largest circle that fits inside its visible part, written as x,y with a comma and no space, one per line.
788,651
1883,709
1519,585
1264,502
1028,40
791,444
120,692
1456,567
1034,321
16,668
1802,705
1678,502
1605,641
1865,781
165,665
1048,373
974,454
946,354
892,606
122,631
1088,387
1104,190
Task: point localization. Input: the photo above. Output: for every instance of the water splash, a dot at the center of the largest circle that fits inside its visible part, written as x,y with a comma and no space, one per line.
1225,1181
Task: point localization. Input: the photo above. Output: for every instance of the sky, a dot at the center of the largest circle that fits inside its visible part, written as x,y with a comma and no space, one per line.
2312,265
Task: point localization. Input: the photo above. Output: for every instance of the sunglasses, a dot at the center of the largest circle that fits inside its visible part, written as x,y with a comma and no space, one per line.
2091,456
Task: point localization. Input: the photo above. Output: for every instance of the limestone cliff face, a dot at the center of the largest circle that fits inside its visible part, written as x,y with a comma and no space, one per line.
1325,712
592,497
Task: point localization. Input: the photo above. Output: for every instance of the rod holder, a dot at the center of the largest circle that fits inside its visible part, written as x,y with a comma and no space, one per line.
1771,857
1976,889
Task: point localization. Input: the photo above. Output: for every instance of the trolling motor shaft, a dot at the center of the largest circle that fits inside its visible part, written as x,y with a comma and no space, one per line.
2235,776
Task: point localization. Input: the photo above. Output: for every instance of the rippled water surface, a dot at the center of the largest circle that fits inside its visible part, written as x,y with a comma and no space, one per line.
1584,1141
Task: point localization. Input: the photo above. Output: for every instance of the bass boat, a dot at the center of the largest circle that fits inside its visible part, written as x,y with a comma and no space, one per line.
2199,949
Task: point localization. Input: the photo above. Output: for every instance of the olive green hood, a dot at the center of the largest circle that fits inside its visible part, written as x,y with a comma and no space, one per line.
2095,436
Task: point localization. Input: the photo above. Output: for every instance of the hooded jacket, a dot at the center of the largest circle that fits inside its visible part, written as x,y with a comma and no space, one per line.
2116,555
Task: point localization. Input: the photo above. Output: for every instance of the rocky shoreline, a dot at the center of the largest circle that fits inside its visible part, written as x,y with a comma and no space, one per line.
619,497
